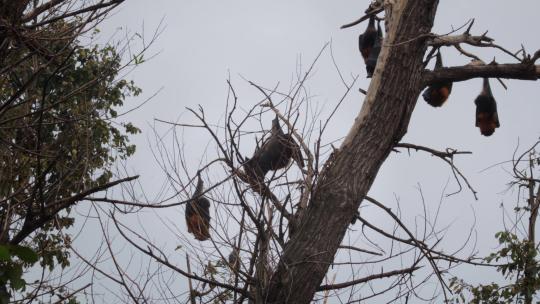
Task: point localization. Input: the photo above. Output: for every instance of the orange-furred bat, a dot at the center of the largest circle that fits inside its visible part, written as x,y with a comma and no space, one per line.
487,118
436,94
198,214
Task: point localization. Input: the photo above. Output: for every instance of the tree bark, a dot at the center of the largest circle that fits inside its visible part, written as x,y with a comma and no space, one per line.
350,171
522,71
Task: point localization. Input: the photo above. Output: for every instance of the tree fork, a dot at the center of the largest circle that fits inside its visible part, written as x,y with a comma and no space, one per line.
381,123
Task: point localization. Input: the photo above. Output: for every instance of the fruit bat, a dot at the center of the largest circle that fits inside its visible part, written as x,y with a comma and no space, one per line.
371,61
367,39
234,260
487,118
275,153
198,213
436,94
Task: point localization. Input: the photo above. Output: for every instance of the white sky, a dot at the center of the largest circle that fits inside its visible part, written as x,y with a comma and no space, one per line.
203,41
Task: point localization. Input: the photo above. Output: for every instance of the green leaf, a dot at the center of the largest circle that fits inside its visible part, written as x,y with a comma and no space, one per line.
4,296
24,253
17,283
4,253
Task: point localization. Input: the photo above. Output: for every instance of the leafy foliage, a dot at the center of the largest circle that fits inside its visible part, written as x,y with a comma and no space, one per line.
521,256
58,138
12,261
517,258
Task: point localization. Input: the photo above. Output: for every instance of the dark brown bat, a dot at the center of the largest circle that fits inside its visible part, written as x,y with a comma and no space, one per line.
367,39
487,118
371,61
275,153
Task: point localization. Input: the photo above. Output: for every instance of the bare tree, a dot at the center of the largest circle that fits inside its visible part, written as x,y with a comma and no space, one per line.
380,125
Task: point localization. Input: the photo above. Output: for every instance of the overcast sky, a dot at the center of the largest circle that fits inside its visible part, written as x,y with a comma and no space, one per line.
203,42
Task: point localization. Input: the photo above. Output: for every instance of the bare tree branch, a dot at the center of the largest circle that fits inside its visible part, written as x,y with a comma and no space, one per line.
409,270
522,71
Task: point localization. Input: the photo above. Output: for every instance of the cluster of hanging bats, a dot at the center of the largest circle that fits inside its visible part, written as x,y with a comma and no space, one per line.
278,150
275,153
486,108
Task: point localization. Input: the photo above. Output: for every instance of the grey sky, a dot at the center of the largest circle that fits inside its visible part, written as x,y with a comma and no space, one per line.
204,41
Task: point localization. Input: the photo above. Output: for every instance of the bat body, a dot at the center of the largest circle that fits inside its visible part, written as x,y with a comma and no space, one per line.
366,40
373,56
437,94
487,118
198,214
275,153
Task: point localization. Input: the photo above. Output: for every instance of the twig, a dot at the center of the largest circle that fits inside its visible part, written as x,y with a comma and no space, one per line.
448,157
191,291
363,18
369,278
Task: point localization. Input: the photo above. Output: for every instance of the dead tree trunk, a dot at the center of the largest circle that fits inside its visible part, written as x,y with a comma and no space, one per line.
382,122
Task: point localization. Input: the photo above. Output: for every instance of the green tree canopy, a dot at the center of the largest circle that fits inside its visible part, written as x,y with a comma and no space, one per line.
59,140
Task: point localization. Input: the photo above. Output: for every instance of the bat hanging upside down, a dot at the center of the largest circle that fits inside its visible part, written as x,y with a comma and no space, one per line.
198,214
487,118
370,43
436,94
275,153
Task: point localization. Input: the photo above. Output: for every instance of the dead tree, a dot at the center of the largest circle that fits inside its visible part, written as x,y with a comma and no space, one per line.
379,126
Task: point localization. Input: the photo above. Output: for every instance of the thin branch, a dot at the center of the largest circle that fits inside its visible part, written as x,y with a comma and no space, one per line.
360,250
448,157
57,206
363,18
369,278
164,261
